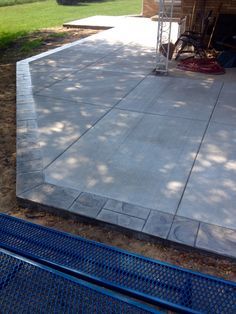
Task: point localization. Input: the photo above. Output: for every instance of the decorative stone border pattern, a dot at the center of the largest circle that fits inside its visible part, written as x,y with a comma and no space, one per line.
32,190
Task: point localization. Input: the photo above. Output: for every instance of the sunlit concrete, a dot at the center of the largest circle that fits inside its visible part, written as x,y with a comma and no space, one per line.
132,157
211,190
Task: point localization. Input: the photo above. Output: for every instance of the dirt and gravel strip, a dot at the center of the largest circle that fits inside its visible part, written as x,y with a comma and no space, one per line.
50,39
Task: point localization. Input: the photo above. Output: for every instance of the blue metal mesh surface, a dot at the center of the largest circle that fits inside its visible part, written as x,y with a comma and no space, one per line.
30,288
150,279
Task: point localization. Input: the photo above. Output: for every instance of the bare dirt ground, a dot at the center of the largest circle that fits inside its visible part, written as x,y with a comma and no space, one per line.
50,39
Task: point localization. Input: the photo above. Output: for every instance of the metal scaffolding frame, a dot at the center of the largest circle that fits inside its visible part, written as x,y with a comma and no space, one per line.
165,16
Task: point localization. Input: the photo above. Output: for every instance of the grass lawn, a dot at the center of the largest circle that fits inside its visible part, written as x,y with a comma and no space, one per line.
4,3
21,19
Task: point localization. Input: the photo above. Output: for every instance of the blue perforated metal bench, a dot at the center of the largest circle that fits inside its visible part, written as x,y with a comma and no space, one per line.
27,287
143,278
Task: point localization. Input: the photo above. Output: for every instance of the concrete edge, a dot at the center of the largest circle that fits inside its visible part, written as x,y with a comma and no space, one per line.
112,227
52,51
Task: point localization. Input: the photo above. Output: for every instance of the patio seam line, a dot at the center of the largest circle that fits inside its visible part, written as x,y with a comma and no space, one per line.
118,72
146,220
124,72
111,210
195,241
25,171
171,225
74,101
199,147
69,146
100,211
37,93
132,229
175,215
73,72
106,113
161,115
32,188
50,85
76,198
26,119
132,89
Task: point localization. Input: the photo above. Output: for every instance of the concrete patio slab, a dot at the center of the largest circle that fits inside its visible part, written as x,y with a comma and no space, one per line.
44,76
158,224
184,230
133,59
100,138
77,57
216,239
114,158
210,193
194,99
108,87
61,123
88,205
121,220
52,195
128,209
98,21
225,111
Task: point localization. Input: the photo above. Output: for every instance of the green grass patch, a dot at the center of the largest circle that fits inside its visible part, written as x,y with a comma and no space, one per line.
25,18
30,45
7,39
4,3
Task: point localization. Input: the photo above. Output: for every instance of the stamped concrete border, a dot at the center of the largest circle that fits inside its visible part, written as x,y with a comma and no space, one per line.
33,191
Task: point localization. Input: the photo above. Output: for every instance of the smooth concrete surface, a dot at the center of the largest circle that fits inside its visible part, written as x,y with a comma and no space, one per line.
225,111
98,21
100,137
61,123
168,96
211,190
128,59
97,87
131,157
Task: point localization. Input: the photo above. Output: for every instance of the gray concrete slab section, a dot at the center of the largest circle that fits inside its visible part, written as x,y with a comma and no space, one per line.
61,123
128,209
184,230
122,220
210,193
42,76
225,111
158,224
28,181
217,239
130,157
97,87
77,56
51,195
185,98
129,59
88,205
29,166
98,21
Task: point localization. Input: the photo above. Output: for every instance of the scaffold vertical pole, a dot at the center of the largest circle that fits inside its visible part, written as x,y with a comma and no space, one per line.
165,16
